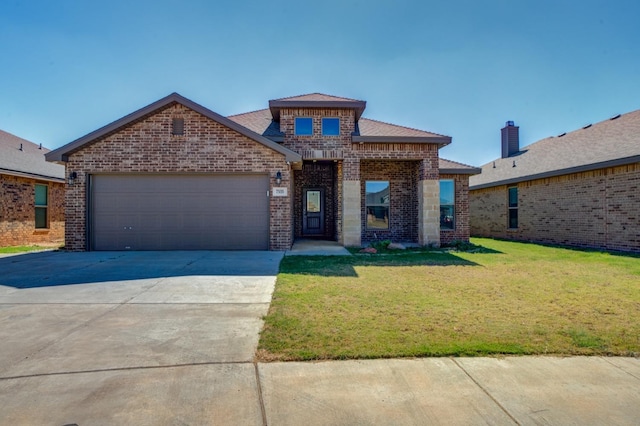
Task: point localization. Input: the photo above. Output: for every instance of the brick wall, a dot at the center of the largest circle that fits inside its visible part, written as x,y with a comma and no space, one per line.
148,146
17,212
599,209
403,164
461,221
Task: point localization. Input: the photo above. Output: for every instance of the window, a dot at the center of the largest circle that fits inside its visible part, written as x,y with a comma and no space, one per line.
331,127
447,204
304,126
377,204
41,206
177,127
513,207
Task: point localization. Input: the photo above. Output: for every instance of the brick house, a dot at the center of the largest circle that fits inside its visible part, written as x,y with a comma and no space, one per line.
31,194
176,175
577,189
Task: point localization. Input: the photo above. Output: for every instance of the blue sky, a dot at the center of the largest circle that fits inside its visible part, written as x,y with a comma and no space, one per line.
460,68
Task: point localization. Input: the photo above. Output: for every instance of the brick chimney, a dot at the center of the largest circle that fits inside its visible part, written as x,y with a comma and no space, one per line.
510,139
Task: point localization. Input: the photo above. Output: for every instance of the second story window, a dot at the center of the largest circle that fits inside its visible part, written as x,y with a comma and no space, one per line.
331,127
304,126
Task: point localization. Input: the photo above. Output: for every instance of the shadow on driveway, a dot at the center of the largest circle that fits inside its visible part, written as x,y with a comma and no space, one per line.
46,269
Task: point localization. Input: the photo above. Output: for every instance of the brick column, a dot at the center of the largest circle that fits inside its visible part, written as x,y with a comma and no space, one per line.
428,204
351,204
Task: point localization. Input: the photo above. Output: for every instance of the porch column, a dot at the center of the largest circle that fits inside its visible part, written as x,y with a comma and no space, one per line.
351,204
428,205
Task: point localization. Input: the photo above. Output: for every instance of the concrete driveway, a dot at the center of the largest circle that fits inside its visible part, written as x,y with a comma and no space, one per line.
129,337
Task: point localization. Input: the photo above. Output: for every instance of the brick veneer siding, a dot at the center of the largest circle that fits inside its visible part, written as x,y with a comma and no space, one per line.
597,209
406,164
461,220
148,146
403,200
17,212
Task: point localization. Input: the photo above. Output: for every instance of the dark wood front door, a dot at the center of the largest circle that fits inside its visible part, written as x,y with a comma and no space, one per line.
313,212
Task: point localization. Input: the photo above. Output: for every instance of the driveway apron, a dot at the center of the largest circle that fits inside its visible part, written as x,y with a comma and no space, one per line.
116,336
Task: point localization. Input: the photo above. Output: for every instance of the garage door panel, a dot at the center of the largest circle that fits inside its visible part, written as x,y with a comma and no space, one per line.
179,212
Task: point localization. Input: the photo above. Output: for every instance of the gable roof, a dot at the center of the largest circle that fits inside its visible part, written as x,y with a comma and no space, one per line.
20,157
367,130
62,153
316,100
609,143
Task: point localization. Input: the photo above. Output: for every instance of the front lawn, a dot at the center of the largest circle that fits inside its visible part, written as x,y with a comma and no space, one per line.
26,249
507,298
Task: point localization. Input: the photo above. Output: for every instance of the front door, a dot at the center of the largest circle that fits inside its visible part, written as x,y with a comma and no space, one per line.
313,212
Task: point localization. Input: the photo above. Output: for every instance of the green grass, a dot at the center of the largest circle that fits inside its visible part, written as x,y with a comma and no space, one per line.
22,249
505,298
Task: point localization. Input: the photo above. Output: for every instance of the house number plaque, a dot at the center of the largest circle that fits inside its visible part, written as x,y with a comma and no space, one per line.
279,192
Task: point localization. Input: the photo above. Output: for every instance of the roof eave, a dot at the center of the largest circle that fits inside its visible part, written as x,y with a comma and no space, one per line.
560,172
31,175
439,140
275,105
462,171
62,153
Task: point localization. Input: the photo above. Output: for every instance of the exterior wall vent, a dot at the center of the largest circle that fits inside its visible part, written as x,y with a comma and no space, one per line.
177,127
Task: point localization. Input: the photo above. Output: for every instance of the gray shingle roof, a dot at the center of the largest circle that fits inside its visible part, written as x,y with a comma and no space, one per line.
318,97
28,162
262,122
454,168
611,142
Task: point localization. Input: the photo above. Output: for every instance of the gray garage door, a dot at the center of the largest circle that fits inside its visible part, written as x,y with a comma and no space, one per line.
179,212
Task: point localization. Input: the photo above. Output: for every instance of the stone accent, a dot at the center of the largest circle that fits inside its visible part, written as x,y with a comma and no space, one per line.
351,213
429,213
148,146
17,212
596,209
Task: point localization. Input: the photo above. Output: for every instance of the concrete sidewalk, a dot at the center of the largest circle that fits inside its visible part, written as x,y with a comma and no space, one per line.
458,391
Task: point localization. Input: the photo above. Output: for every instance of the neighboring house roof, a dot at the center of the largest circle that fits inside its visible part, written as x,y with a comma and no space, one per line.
609,143
19,157
448,167
62,153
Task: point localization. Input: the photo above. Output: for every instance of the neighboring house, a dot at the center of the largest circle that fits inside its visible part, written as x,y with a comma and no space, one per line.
577,189
31,194
176,175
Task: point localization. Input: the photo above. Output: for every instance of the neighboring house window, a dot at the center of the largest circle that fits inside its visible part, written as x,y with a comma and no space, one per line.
513,207
331,127
304,126
447,204
377,204
177,127
41,205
